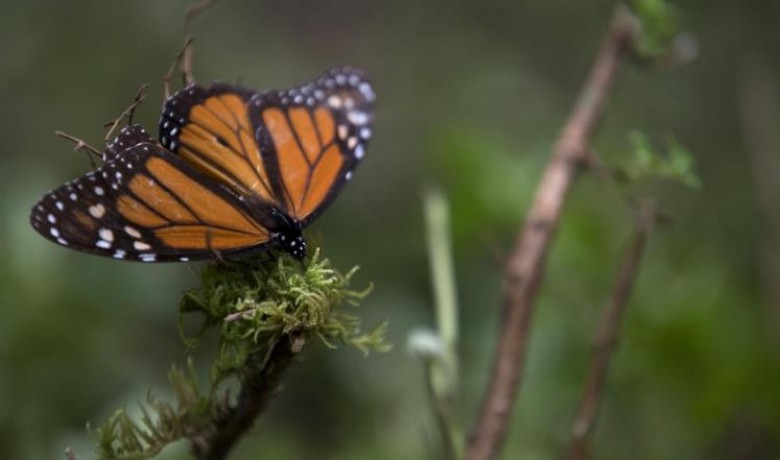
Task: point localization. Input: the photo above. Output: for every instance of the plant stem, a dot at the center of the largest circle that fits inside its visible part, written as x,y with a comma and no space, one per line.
258,386
442,374
607,336
525,266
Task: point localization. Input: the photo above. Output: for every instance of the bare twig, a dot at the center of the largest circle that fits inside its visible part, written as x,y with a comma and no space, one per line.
760,116
82,145
607,336
193,10
524,268
127,113
257,388
183,62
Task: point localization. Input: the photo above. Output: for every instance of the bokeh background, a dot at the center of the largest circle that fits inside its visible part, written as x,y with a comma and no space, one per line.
471,96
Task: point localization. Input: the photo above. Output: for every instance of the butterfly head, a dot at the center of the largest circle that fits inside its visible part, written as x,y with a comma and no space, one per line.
291,242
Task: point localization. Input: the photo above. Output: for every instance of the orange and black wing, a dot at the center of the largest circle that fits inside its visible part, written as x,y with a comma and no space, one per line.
294,149
147,204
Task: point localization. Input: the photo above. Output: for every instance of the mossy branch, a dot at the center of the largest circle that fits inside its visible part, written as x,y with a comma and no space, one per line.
266,313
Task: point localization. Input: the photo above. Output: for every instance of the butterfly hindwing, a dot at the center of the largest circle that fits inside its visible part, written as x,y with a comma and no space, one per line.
147,204
306,140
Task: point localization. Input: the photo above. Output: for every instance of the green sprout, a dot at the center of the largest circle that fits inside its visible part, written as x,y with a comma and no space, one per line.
675,164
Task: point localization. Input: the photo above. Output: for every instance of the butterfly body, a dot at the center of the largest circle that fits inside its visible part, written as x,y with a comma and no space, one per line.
235,171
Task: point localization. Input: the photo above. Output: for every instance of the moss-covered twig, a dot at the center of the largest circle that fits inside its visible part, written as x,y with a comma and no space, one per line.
266,312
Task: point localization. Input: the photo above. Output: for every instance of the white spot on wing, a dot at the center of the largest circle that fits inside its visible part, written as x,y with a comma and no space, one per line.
132,232
97,210
367,92
106,234
343,131
334,101
357,118
141,246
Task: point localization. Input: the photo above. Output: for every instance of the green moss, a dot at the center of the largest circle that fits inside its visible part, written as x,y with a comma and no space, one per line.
255,306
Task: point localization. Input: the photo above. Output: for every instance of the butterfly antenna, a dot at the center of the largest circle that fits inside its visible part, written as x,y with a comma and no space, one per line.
82,145
183,62
127,113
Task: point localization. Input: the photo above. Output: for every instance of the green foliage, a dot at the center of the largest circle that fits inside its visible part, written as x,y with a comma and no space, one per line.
660,26
255,306
161,423
675,164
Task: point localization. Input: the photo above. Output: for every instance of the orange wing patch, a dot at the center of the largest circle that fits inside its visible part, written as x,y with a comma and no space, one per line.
184,214
293,165
219,140
201,236
151,193
138,213
206,206
309,161
325,125
301,120
324,175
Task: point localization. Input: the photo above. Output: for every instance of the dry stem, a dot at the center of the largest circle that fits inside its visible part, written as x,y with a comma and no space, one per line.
525,266
607,336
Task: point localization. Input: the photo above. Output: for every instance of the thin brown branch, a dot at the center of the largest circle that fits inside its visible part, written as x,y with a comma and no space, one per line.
525,266
258,386
127,113
607,336
182,61
82,145
192,11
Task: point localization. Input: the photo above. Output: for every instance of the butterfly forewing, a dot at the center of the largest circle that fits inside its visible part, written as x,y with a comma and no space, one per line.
149,205
211,129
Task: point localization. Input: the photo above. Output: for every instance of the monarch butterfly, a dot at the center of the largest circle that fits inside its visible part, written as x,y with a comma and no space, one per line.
235,171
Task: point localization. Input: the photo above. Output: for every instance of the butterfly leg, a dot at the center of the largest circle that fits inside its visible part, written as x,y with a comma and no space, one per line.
216,252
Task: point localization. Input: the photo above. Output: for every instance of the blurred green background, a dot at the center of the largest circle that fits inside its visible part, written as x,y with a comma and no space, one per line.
471,95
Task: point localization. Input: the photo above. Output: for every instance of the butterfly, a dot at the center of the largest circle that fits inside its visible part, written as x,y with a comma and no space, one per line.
235,171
